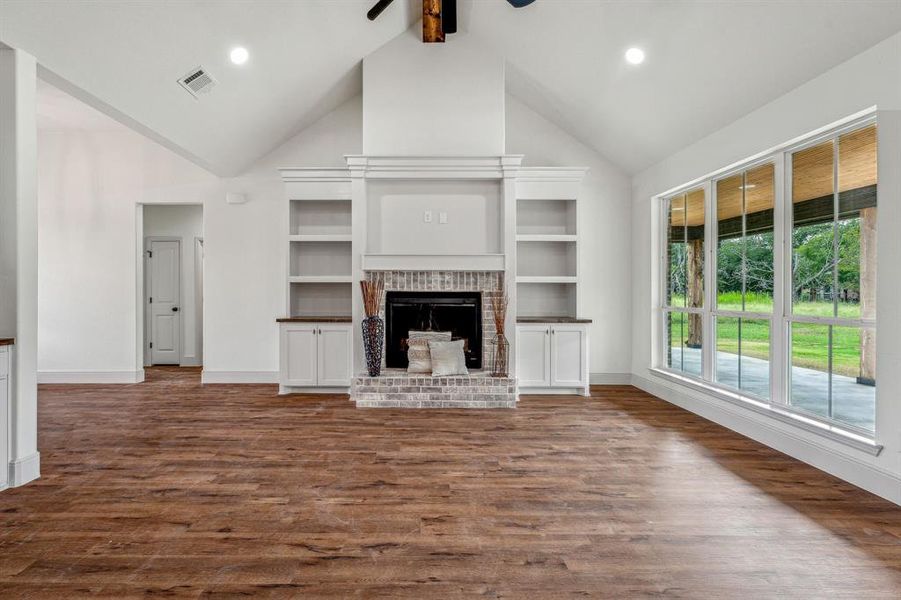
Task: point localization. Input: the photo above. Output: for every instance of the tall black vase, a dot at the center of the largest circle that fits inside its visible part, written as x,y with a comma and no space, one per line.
373,342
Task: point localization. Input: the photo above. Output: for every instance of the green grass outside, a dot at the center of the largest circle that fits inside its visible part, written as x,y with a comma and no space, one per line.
810,343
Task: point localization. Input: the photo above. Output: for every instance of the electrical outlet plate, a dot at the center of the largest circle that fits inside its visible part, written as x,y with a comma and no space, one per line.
427,216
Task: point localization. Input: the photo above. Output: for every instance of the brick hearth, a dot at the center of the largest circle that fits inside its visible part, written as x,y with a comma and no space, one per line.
394,388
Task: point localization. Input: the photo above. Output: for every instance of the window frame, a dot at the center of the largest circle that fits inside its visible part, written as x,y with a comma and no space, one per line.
778,405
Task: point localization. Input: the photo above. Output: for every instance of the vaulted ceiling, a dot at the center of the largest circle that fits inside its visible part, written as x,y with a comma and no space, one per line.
708,63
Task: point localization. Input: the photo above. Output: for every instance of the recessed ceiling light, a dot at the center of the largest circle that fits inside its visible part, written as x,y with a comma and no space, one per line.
635,56
239,55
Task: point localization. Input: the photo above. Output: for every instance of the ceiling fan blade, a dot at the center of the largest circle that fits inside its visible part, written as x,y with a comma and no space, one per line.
377,9
520,3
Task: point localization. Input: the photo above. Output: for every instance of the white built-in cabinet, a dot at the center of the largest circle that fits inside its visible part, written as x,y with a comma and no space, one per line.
552,358
4,415
336,228
315,355
548,241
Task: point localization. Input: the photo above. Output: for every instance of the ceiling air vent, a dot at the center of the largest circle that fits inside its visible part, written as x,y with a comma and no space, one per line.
197,81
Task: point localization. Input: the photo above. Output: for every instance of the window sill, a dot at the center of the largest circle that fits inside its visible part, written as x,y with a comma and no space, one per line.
831,432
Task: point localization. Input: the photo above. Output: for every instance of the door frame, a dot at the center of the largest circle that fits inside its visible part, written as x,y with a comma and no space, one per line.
148,361
198,284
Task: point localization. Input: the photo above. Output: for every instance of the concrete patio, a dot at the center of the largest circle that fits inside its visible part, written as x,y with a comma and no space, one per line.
852,403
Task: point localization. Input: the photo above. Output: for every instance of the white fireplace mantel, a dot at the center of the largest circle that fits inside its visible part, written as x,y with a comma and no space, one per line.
433,262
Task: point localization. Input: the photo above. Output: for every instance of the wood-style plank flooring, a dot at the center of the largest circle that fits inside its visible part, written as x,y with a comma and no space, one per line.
170,489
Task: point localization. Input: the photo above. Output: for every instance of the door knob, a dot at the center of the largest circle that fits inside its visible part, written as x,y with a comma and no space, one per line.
174,309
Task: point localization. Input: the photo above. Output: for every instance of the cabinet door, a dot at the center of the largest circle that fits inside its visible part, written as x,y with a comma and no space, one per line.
334,354
569,361
298,355
533,355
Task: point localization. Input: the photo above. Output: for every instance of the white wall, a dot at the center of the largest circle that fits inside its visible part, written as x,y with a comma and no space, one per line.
245,270
433,99
184,223
871,78
90,183
605,225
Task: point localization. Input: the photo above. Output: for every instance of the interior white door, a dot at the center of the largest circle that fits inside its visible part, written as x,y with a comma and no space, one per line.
334,354
568,362
298,355
533,355
163,302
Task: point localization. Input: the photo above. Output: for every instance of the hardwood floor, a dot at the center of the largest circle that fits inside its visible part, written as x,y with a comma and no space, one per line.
171,489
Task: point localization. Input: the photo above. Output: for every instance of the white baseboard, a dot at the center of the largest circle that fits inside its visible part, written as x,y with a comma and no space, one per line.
24,470
610,378
549,391
91,376
208,376
190,361
803,445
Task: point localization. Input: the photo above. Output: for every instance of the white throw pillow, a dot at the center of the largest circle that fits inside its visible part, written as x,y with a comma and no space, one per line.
448,358
419,358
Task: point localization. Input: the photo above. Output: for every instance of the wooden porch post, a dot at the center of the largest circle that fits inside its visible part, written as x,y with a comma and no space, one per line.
695,284
867,294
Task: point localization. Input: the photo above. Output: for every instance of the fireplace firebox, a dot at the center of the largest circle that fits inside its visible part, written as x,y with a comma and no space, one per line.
457,312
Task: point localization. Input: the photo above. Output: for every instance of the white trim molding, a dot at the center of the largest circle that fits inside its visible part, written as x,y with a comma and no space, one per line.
845,462
54,377
433,262
208,376
24,470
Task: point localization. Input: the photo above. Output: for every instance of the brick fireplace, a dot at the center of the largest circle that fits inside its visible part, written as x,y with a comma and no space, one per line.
488,283
395,388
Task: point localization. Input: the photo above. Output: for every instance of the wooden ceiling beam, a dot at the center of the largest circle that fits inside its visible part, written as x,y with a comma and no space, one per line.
431,22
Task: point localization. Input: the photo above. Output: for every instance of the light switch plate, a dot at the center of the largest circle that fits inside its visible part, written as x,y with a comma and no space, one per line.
442,217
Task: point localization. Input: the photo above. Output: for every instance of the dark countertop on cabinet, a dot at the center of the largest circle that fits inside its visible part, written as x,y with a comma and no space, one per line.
329,319
7,341
551,320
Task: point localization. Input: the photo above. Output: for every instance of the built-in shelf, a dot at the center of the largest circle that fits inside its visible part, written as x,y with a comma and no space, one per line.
546,217
320,279
320,299
547,243
547,279
546,299
546,259
320,217
320,258
537,237
336,237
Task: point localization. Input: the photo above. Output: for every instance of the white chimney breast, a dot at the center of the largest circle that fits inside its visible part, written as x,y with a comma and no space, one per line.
433,99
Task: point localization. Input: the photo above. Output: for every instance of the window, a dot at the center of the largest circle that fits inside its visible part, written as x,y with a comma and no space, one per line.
833,278
745,262
786,296
685,281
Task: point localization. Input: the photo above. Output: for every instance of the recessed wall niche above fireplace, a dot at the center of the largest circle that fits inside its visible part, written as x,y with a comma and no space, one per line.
457,312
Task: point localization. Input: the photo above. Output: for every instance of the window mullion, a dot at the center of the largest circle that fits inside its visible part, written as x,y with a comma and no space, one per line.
708,350
782,280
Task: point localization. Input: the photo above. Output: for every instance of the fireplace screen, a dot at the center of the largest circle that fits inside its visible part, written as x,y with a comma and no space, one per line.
457,312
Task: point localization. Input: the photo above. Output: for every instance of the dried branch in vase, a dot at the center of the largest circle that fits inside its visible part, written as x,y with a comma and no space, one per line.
498,302
372,296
